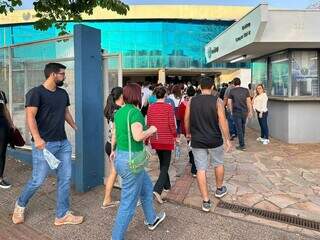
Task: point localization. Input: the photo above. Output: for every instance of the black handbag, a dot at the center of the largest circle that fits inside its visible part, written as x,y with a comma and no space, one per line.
15,138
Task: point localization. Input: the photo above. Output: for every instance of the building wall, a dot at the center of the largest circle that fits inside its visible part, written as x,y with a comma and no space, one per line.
304,122
292,122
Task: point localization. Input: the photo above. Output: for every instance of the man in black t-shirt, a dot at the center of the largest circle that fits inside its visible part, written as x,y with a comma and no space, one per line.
47,109
239,102
206,125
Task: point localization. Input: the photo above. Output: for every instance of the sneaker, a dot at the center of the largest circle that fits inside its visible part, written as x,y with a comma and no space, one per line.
265,141
241,148
18,214
221,192
158,197
161,216
4,184
206,206
69,218
260,139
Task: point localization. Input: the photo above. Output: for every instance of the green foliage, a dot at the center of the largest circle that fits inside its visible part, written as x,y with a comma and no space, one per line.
58,12
9,5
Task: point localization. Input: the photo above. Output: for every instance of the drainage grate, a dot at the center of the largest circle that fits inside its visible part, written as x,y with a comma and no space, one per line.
300,222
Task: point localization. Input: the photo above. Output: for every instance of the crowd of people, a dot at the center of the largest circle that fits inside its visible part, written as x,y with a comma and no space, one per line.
154,114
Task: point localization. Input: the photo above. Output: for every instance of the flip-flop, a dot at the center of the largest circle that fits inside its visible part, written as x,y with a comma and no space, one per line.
110,204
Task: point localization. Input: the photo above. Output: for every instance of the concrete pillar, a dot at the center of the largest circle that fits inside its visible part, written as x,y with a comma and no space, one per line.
162,76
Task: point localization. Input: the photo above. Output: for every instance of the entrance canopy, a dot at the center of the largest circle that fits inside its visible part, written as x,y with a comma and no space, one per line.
263,31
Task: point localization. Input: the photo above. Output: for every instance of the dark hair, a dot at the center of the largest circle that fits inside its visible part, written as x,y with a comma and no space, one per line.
250,86
132,94
176,91
111,102
237,81
160,92
52,68
206,83
191,91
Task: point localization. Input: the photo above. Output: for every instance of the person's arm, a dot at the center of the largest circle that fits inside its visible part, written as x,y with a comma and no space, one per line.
223,124
249,106
31,113
69,119
138,134
171,121
113,143
187,120
230,105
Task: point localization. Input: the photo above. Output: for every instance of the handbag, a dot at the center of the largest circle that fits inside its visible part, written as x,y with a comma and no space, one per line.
140,160
15,138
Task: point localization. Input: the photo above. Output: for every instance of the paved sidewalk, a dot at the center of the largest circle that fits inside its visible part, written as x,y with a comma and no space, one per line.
278,177
182,223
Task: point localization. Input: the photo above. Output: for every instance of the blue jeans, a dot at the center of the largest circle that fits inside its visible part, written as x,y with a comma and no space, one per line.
231,124
62,150
240,120
133,188
263,122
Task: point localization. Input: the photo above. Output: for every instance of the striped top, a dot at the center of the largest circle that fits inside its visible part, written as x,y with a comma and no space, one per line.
161,115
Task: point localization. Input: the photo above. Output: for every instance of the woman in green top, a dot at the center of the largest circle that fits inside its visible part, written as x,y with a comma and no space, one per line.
134,186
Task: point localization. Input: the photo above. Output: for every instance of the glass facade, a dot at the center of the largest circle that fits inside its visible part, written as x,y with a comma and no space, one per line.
259,73
23,70
292,73
305,81
142,43
279,74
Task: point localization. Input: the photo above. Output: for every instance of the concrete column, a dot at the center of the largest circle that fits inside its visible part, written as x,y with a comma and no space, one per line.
162,76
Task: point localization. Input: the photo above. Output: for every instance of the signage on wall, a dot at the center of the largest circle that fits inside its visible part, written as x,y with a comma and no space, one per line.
238,35
247,32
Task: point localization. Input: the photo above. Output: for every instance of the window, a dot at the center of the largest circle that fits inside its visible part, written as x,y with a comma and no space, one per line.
305,81
279,74
259,72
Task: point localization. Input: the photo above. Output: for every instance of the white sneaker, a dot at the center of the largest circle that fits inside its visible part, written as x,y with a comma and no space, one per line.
260,139
265,141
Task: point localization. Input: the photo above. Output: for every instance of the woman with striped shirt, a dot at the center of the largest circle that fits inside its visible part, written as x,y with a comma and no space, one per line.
161,115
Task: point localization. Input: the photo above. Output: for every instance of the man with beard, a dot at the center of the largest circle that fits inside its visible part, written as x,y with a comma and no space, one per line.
47,109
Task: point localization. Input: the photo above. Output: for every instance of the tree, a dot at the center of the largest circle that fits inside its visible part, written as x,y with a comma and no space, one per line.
58,12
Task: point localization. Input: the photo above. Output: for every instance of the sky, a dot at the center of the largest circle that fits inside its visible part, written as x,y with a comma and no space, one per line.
287,4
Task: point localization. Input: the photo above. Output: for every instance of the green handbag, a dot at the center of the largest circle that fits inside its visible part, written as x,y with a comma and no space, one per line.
139,160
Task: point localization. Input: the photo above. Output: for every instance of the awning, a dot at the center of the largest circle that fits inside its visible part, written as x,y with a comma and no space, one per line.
264,31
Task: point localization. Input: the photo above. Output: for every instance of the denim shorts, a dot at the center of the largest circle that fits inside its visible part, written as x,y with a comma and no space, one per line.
203,156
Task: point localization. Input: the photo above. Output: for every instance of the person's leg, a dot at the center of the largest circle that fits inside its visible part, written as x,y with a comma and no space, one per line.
193,165
146,199
167,160
162,180
131,188
40,170
261,127
244,123
109,184
63,178
217,160
201,161
265,125
238,122
4,132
